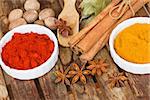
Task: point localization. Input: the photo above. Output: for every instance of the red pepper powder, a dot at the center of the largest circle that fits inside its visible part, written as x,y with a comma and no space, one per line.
27,51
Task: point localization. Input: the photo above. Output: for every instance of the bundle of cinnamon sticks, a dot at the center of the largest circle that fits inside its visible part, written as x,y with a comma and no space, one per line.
148,4
95,35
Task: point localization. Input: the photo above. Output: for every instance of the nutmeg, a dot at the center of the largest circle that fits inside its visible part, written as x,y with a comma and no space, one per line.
31,4
50,22
15,14
30,16
17,22
39,22
47,12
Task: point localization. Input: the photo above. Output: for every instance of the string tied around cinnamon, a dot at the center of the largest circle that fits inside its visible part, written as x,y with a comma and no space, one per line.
121,9
146,10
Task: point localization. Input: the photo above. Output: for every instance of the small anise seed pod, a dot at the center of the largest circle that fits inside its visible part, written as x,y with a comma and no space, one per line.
99,72
123,78
67,82
83,79
76,67
86,72
90,67
72,72
75,79
112,84
69,75
117,84
94,71
58,73
104,69
57,80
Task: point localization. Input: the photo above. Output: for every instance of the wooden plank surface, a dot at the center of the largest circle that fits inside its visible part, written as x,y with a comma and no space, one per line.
3,88
122,93
21,90
50,90
44,88
140,83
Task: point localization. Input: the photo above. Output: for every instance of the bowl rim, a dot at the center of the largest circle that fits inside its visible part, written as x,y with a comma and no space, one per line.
54,39
113,52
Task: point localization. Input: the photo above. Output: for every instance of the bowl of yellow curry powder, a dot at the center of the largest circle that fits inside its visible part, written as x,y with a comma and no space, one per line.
130,45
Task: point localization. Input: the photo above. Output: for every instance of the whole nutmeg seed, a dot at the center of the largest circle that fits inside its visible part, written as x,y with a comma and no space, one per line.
17,22
30,16
39,22
47,12
15,14
50,22
31,4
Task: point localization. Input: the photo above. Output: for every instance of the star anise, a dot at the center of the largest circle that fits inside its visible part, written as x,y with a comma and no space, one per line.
62,76
79,73
63,28
98,67
117,80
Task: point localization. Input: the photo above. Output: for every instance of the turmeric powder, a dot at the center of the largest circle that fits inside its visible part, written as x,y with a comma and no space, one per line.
133,43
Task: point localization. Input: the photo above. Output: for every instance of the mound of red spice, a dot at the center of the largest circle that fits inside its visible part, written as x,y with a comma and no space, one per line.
27,51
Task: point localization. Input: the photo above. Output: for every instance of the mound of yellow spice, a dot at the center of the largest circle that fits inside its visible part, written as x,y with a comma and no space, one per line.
133,43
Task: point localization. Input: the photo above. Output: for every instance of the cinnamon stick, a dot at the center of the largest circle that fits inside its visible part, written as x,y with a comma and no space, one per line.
96,33
100,44
94,22
61,2
1,34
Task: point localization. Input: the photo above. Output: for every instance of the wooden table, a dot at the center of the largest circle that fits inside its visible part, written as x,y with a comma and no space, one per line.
44,88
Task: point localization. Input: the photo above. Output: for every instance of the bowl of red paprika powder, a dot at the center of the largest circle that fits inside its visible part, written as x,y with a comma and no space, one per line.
28,51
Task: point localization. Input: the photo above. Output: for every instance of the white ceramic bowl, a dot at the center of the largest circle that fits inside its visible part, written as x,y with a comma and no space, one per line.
123,64
35,72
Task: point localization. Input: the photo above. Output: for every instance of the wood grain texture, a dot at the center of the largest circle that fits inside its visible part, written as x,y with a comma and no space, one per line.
3,88
17,90
21,90
140,84
50,90
122,93
7,5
